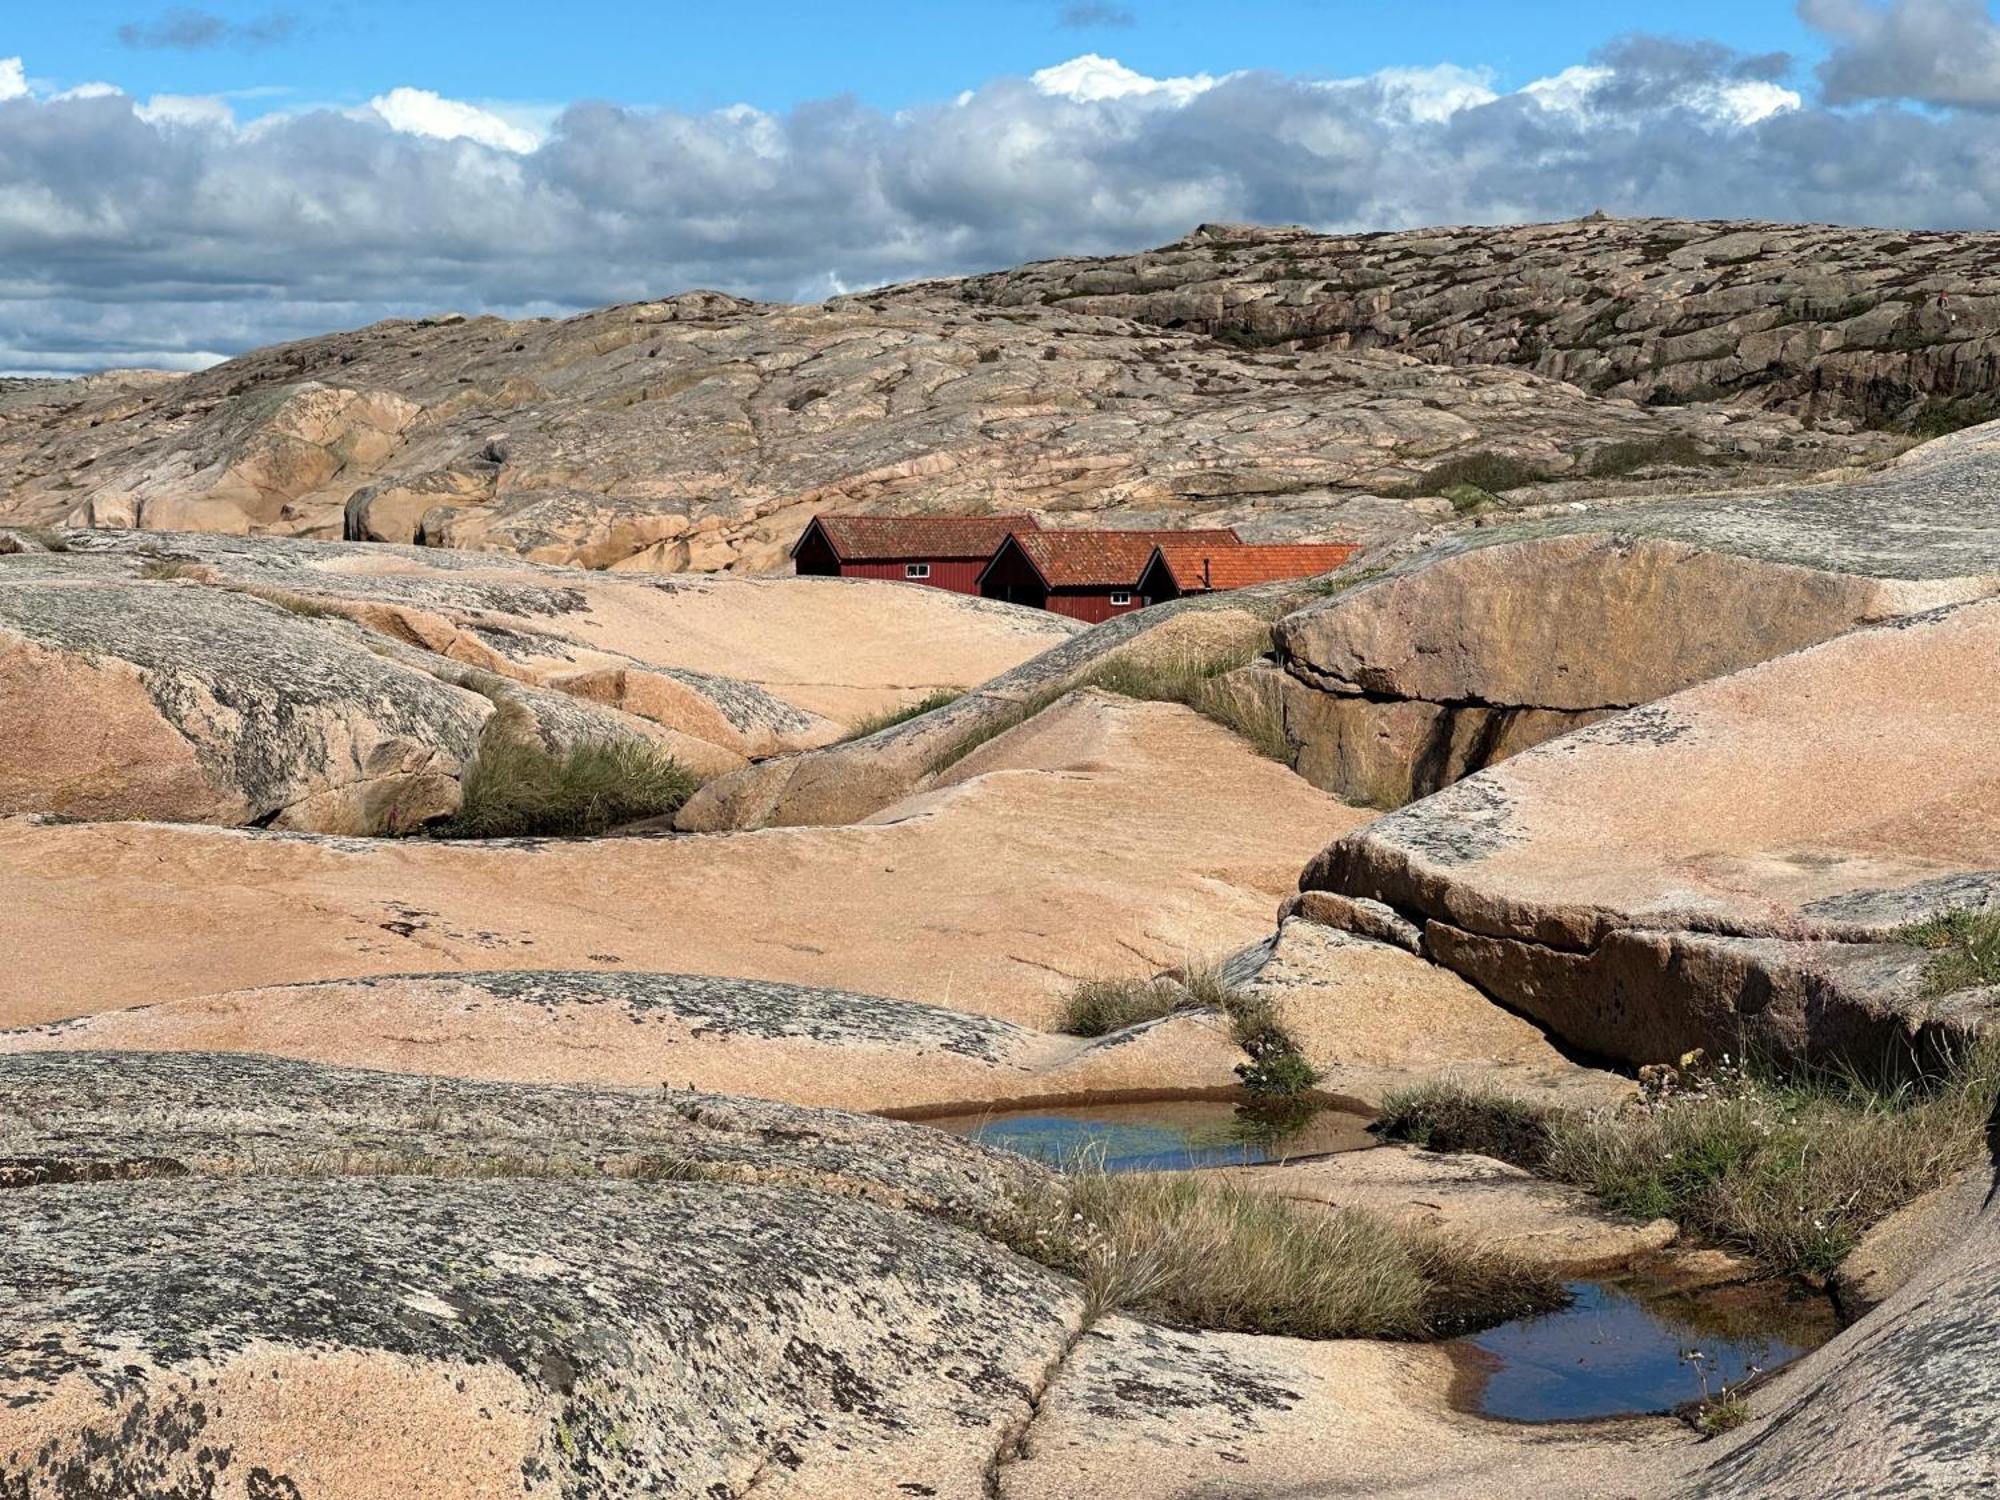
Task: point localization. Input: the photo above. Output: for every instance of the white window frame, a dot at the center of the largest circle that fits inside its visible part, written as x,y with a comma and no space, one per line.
1119,601
916,570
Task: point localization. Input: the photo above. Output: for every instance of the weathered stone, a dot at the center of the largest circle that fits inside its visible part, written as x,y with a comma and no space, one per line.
699,432
480,1291
1726,867
744,1037
172,701
1155,836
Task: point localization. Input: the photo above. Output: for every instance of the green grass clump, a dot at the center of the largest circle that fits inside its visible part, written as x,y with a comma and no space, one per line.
1965,950
1450,1116
1491,472
1614,460
1790,1170
890,718
518,788
1212,1253
1098,1007
1724,1414
1277,1069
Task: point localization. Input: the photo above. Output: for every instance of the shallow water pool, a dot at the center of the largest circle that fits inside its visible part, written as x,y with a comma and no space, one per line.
1619,1350
1173,1135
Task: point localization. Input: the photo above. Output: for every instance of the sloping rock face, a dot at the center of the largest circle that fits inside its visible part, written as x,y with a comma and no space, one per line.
745,1037
486,1305
1904,1402
1498,638
346,689
846,782
1153,838
698,433
174,702
1726,868
1837,323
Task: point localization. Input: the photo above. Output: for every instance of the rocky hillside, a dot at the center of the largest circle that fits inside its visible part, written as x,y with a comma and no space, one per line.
1844,327
1289,382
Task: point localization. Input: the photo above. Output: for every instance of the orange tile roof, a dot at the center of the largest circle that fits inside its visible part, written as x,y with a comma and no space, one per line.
1107,559
1195,567
888,538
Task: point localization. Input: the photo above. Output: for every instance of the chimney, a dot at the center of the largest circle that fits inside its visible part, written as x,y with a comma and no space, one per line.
1204,574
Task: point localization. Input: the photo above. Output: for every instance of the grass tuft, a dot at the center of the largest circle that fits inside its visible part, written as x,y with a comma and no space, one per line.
1965,948
47,538
890,718
1212,1253
1277,1069
1791,1170
519,788
1491,472
1186,677
168,570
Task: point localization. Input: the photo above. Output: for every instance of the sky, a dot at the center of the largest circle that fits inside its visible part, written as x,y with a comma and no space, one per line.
182,182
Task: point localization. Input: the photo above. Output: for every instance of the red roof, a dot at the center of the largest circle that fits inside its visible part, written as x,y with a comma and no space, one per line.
1107,559
892,538
1195,567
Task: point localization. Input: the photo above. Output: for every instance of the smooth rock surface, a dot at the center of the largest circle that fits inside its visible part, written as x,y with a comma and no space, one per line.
1727,867
1156,838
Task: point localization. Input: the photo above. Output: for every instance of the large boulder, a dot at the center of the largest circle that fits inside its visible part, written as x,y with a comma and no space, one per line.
1729,867
1499,637
171,701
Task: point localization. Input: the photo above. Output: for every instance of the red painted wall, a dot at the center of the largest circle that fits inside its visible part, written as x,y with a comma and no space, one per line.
959,575
1092,606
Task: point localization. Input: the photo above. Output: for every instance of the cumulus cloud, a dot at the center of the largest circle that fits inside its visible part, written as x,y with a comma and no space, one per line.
186,30
169,229
421,112
1944,52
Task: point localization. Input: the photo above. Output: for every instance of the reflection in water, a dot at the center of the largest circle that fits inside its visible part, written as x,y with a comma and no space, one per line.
1616,1350
1166,1136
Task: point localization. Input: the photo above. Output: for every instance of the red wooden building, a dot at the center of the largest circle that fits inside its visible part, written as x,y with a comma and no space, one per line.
1182,567
946,552
1087,575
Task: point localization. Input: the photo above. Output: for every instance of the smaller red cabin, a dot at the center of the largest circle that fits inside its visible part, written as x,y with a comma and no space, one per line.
1087,575
1181,567
946,552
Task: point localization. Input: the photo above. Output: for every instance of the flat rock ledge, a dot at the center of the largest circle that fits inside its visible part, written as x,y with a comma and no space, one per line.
1729,867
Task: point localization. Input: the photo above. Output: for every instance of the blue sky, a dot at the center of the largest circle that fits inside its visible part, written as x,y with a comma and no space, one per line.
179,182
777,53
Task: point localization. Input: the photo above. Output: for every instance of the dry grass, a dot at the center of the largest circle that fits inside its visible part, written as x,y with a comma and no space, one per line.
1965,949
518,788
1214,1254
1187,676
890,718
1789,1170
170,570
1277,1069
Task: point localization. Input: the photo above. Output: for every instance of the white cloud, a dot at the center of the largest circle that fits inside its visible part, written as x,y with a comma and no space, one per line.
421,112
1432,95
13,79
1091,79
1568,92
92,91
197,110
1747,101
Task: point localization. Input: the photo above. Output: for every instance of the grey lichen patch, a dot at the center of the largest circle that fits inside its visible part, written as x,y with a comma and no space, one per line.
276,709
84,1114
1458,826
762,1009
668,1338
1881,912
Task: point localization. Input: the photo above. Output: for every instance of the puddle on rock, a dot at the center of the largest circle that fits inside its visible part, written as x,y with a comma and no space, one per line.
1621,1350
1173,1135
